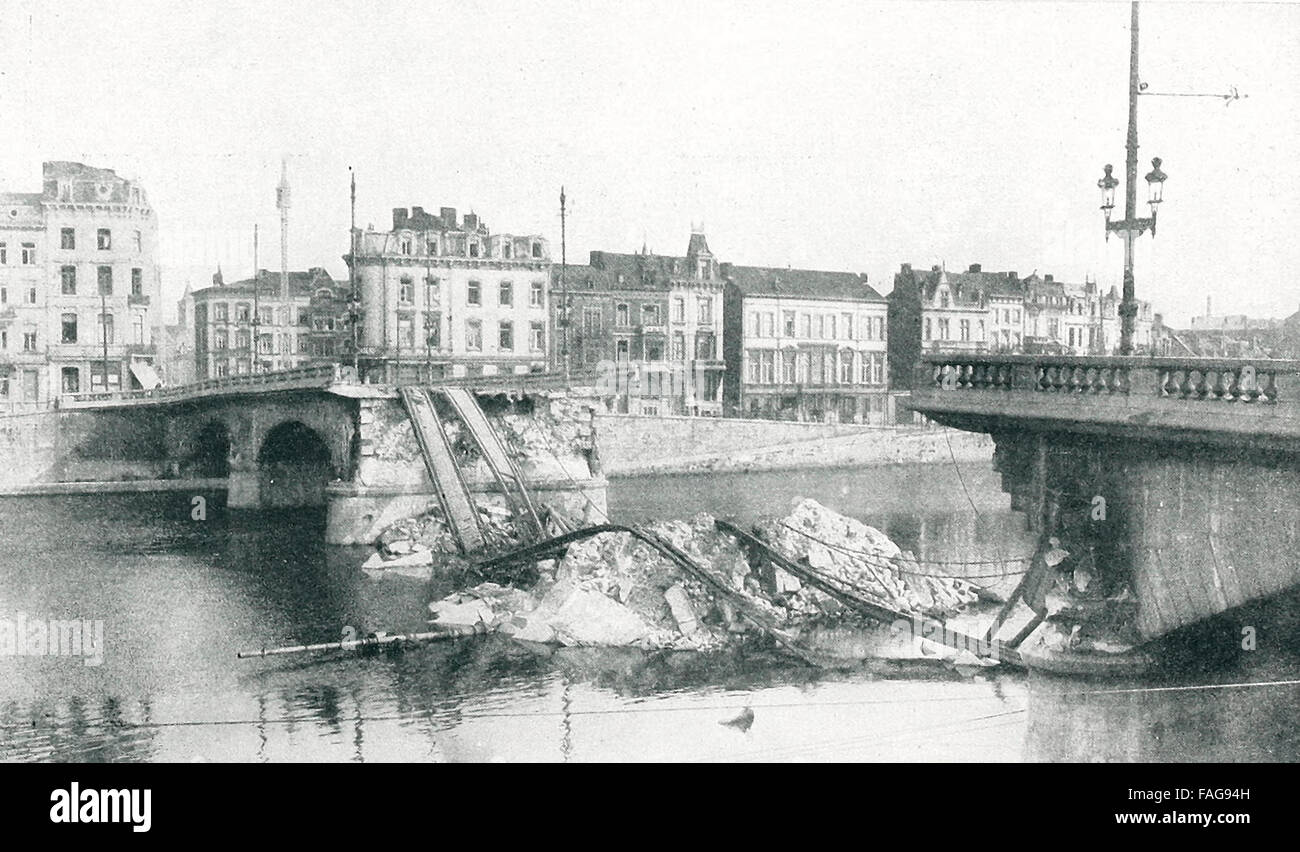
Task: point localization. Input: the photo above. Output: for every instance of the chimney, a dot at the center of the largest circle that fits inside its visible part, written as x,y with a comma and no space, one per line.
448,216
1013,275
399,218
471,222
934,268
907,267
1047,279
975,267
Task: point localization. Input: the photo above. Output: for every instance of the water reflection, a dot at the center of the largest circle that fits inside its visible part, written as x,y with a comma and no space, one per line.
180,598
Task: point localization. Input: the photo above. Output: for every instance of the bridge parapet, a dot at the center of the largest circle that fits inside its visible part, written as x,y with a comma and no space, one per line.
1210,399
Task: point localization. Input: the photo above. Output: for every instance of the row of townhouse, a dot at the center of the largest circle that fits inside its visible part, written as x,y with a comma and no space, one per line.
1000,312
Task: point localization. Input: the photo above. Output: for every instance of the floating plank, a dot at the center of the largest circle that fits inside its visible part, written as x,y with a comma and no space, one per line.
457,502
500,463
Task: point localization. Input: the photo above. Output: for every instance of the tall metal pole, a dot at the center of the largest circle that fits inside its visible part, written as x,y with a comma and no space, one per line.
354,304
256,306
1128,307
564,293
103,330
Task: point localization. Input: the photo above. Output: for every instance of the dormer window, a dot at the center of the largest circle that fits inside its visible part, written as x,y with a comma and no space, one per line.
431,247
406,245
537,249
473,249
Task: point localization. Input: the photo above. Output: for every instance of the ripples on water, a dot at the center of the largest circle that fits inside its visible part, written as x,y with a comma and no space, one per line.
179,598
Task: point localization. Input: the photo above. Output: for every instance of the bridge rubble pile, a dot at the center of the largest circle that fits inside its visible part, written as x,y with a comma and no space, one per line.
616,589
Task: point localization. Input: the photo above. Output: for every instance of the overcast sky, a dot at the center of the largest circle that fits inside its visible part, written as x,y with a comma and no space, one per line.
829,135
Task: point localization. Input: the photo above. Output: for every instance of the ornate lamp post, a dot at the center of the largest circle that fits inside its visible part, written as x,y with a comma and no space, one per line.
1131,226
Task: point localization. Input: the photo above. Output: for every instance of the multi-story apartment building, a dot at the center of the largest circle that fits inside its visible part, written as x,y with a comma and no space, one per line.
804,345
242,328
651,324
444,296
78,285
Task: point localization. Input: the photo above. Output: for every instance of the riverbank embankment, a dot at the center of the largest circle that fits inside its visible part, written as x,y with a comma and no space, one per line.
635,445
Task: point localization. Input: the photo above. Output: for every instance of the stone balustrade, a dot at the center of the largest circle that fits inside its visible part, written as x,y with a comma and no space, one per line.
1210,395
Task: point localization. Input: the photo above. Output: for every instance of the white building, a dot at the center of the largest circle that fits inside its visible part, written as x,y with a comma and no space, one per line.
445,295
78,286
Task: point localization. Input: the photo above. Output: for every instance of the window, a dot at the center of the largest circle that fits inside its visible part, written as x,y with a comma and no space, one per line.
769,325
1054,329
220,340
537,249
431,246
752,370
29,341
654,350
965,329
927,328
406,245
679,309
4,295
846,325
266,316
591,320
506,336
678,346
473,336
805,325
4,339
406,290
29,254
536,337
621,316
432,290
4,252
536,293
878,369
105,328
67,238
846,368
138,242
650,315
406,332
31,295
506,294
474,296
137,329
473,249
756,324
106,280
243,340
705,344
831,320
787,320
104,239
71,380
137,282
621,350
68,277
943,329
220,369
69,328
242,312
505,248
704,310
767,359
788,361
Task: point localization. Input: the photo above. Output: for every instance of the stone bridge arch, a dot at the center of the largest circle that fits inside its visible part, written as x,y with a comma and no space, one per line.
325,438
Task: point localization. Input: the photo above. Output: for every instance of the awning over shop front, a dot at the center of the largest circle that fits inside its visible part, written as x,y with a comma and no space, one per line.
144,374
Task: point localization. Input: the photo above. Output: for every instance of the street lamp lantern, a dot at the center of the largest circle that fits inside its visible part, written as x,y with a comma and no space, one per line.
1107,186
1156,185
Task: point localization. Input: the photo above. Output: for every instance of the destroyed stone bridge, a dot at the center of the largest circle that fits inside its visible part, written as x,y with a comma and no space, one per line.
1180,477
311,436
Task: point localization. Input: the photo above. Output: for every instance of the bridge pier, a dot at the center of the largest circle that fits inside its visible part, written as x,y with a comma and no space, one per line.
243,489
1178,479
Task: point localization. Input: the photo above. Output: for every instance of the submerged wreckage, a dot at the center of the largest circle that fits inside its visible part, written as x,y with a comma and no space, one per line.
825,587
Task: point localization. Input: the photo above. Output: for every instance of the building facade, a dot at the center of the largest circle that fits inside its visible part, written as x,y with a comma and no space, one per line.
247,326
78,286
443,296
805,345
650,324
1000,312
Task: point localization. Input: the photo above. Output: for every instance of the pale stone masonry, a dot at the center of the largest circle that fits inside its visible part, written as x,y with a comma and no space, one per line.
78,270
442,295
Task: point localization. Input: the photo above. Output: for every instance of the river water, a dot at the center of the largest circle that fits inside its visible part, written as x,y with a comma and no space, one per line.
178,598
